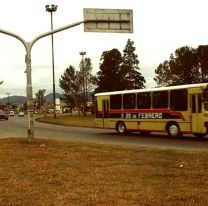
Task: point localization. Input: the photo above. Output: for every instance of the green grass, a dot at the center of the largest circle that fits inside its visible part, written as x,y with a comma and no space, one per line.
53,172
69,120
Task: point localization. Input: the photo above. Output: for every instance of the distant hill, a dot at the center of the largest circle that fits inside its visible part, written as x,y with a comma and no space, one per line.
49,98
14,100
22,99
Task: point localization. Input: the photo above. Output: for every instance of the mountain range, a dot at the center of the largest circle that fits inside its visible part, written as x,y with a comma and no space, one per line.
22,99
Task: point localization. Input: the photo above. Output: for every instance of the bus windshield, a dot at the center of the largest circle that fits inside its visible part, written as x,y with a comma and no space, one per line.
205,95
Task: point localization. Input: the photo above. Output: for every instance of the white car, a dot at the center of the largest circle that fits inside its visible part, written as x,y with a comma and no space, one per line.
11,113
21,114
58,111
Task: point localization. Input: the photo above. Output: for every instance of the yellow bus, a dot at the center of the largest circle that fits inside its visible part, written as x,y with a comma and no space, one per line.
176,110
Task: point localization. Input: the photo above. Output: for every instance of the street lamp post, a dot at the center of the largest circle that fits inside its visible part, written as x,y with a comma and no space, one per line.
28,47
52,9
83,85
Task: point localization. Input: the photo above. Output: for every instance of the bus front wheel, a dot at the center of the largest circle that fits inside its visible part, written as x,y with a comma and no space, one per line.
173,130
121,128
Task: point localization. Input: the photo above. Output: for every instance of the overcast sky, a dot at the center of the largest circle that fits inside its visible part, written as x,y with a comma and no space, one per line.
160,27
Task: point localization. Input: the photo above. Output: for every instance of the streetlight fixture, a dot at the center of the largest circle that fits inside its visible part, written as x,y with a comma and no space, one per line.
52,9
83,71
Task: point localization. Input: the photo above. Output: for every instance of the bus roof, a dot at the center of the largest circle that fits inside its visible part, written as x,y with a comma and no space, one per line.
185,86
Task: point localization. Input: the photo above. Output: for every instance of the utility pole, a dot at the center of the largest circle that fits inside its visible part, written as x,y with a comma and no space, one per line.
52,9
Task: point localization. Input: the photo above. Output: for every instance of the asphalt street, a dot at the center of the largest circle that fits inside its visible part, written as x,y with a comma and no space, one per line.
17,127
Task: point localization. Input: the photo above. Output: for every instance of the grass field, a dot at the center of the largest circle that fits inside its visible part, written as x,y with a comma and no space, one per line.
69,120
58,173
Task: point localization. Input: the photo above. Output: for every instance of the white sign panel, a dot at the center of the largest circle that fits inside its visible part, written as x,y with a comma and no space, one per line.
108,20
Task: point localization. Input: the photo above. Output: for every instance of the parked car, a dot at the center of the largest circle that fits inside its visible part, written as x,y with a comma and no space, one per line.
11,113
21,114
4,115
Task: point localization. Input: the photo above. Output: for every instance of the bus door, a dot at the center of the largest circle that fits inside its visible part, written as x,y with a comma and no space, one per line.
196,113
105,112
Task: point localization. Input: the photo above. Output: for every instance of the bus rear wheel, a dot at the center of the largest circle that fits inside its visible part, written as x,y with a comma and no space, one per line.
121,128
173,130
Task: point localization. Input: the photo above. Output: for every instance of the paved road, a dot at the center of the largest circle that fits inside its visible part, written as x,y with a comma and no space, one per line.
17,127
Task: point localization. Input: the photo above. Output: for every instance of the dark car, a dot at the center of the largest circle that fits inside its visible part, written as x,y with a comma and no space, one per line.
4,115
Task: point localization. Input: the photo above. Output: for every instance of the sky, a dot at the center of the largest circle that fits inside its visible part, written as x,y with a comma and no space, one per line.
160,27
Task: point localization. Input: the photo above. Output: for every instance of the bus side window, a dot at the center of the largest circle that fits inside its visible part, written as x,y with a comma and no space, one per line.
160,99
179,100
144,100
115,101
129,101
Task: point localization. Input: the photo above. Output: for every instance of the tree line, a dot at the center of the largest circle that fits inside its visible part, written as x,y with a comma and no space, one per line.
121,71
186,66
116,72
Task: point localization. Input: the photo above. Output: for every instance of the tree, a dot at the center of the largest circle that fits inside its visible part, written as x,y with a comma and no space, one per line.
182,68
71,83
40,98
132,78
87,79
119,72
109,77
202,53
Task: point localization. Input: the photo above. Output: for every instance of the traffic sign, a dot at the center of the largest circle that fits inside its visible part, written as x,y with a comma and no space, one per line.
108,20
